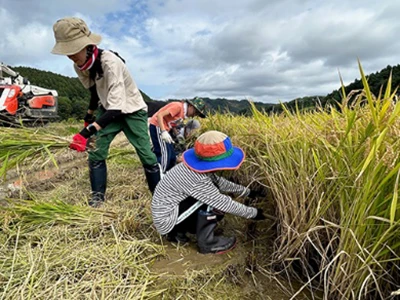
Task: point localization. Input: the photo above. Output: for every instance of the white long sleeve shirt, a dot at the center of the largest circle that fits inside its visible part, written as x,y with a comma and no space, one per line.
181,182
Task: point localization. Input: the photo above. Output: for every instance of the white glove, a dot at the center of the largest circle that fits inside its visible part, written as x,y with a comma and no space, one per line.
166,137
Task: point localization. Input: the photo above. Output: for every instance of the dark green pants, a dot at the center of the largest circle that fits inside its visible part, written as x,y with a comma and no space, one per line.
135,128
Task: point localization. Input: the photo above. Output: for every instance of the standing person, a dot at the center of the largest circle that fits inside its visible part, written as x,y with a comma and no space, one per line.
190,196
164,120
121,106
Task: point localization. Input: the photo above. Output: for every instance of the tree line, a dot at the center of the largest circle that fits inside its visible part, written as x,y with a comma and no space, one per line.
74,98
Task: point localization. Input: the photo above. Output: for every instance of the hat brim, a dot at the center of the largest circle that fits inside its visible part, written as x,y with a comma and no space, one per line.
199,112
74,46
198,165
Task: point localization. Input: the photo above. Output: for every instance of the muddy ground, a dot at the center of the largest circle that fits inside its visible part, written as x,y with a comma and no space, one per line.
244,277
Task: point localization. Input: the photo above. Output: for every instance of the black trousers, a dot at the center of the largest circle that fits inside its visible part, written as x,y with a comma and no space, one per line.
190,223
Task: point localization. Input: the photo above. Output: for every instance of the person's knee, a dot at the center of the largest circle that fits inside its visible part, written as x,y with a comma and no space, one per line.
149,160
97,156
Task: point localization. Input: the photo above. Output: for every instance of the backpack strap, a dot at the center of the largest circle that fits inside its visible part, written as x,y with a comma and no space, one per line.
116,53
96,70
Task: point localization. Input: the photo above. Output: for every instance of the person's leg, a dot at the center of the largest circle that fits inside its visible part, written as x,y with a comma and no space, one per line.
207,242
97,162
156,147
98,181
163,151
178,233
171,156
136,130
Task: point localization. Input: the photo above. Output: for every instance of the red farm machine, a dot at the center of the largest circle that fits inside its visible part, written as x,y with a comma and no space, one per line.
23,103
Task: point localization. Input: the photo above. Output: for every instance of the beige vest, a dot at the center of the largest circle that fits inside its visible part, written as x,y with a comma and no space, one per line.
116,89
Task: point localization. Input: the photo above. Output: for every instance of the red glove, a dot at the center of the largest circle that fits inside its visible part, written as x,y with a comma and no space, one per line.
78,143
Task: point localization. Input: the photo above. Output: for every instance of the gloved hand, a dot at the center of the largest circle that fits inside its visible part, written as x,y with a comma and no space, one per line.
217,211
88,131
89,119
255,194
78,143
260,215
166,137
91,143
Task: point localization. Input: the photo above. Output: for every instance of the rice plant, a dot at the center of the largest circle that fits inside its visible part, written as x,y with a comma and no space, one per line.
333,175
27,145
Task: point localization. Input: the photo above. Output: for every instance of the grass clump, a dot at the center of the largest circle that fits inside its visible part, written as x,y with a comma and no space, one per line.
60,262
28,146
333,176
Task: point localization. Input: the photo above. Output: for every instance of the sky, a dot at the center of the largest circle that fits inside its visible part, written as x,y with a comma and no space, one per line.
266,50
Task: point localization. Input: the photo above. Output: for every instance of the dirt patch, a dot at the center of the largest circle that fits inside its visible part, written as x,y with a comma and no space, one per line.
237,267
182,258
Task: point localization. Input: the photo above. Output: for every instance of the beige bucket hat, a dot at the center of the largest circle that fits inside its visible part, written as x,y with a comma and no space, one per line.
72,35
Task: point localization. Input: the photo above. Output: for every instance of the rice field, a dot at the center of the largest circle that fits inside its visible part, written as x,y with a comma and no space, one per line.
54,246
331,177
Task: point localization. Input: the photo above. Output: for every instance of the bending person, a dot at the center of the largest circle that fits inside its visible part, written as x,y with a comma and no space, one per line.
114,93
162,122
190,197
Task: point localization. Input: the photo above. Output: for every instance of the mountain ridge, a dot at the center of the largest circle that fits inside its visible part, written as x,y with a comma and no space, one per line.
73,97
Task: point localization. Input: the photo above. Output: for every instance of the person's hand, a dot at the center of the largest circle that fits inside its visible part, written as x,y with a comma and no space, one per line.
260,215
91,143
217,211
166,137
78,143
89,119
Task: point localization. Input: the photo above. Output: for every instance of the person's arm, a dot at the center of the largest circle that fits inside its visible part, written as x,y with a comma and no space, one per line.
160,119
108,117
227,186
206,192
173,111
94,99
93,103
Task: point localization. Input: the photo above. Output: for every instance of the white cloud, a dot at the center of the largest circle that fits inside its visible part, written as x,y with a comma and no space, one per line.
270,50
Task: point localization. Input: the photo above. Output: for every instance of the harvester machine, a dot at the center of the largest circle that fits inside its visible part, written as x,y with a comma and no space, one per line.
21,102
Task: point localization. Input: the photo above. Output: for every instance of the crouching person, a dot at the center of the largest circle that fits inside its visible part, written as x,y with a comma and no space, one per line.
190,196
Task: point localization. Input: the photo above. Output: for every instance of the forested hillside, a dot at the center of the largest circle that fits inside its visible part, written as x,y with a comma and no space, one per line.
73,98
376,81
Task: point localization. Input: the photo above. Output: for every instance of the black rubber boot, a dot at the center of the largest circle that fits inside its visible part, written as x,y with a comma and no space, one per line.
152,176
98,181
177,237
206,241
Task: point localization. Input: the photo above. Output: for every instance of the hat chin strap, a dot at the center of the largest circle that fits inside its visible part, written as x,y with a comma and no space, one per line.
92,55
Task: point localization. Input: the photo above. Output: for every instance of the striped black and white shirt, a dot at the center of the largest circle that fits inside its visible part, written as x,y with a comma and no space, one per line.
181,182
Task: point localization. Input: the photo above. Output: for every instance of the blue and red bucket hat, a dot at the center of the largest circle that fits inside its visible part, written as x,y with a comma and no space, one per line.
213,151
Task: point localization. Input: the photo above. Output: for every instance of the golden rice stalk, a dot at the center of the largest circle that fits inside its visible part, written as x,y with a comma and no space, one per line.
25,145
